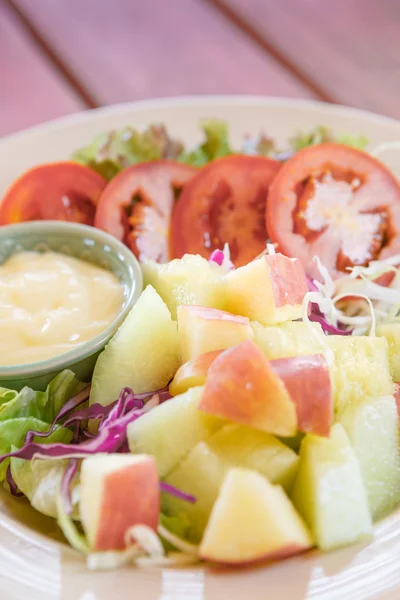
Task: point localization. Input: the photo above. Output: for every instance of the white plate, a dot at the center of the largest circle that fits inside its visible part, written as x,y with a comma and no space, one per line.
33,564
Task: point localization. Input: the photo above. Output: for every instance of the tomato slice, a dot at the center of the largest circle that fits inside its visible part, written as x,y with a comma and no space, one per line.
62,191
337,203
136,206
224,202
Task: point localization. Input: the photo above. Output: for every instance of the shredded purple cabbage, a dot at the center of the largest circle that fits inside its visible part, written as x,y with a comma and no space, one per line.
66,484
68,407
218,257
167,488
113,421
13,486
327,327
111,435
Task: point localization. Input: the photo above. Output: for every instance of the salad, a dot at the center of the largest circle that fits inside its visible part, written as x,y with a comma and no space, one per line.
247,409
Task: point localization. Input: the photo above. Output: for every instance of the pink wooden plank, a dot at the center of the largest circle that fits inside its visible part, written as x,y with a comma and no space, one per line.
350,48
131,49
31,89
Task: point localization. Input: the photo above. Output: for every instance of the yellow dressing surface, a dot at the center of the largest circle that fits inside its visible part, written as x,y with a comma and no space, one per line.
50,303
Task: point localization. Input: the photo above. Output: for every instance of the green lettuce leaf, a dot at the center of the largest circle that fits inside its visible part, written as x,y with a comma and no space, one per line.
216,144
178,525
13,432
110,152
323,134
40,481
28,410
39,405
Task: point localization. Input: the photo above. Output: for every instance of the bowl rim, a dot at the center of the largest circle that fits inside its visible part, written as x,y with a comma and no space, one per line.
208,100
84,350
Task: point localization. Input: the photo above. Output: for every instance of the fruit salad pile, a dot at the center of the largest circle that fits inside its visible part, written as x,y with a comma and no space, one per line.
243,433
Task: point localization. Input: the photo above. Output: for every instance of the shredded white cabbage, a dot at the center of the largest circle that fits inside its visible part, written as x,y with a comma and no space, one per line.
147,539
178,542
144,549
329,293
76,539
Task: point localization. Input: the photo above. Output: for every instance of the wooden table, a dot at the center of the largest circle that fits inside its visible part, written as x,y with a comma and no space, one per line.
62,56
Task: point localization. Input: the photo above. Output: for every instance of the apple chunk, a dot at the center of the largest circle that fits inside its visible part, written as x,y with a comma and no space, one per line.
193,373
117,491
203,329
307,380
252,521
269,290
243,387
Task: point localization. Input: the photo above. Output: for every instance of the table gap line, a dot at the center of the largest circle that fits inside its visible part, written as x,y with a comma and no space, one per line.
269,48
62,68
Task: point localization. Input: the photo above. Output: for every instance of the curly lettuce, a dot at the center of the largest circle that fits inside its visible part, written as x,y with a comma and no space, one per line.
29,410
322,134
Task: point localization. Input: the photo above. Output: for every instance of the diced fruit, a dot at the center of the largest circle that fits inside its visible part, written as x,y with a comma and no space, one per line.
192,373
397,397
201,475
293,442
171,430
307,380
242,446
117,491
360,368
142,355
203,471
391,331
294,338
372,427
242,386
188,280
202,330
329,492
269,290
252,521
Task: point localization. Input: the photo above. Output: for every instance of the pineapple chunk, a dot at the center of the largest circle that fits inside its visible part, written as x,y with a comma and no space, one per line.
360,368
372,426
329,492
293,338
243,446
204,470
171,430
188,280
391,331
143,354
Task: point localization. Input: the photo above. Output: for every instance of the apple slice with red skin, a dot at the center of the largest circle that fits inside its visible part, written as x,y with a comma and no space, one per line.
308,382
117,491
242,387
397,397
204,329
240,383
192,373
252,521
269,290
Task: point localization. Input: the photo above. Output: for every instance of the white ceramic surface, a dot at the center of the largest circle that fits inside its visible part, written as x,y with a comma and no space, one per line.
34,565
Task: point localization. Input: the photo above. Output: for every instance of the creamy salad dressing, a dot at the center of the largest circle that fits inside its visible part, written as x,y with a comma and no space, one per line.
50,303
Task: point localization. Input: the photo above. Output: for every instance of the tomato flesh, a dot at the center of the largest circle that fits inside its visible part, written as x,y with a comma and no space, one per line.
137,204
63,191
224,203
337,203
